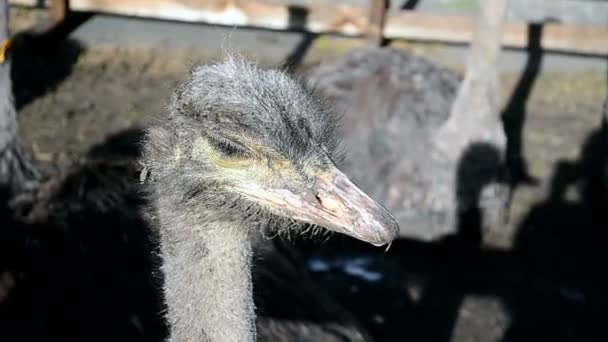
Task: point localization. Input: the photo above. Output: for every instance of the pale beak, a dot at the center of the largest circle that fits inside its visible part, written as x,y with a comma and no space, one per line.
336,203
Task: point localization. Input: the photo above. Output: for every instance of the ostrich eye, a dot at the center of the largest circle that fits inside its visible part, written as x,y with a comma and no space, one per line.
227,149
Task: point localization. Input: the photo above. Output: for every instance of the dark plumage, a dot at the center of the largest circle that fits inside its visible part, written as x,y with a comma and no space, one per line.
242,150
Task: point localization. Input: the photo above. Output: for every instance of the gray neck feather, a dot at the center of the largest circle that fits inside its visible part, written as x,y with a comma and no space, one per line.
208,286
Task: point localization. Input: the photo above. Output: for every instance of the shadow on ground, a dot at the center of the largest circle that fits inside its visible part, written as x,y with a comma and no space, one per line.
42,60
551,285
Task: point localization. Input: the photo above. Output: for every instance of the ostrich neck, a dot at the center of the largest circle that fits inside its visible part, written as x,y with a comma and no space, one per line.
208,286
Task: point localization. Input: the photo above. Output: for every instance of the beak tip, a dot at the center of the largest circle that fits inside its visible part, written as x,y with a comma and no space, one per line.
392,231
384,232
391,223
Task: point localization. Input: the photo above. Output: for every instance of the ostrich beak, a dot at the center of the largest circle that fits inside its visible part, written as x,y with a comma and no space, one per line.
340,206
335,203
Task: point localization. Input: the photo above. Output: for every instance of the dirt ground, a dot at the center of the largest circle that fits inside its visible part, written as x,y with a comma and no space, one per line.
540,277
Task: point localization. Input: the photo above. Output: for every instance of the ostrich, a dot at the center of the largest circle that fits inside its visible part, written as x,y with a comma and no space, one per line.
242,150
410,123
85,224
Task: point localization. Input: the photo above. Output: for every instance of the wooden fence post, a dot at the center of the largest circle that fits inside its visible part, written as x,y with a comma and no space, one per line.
377,12
16,168
59,10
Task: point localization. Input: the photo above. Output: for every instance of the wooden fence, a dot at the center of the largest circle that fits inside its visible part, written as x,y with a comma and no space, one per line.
374,21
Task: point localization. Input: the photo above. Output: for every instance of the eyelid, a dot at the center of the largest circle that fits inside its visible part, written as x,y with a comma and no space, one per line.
245,156
240,150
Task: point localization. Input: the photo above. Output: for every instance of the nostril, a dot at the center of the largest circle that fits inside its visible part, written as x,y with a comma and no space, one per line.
319,199
328,202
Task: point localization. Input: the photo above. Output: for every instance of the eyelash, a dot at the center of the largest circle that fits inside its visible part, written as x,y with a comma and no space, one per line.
227,148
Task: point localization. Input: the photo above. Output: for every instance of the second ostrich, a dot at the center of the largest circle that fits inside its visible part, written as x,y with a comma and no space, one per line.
427,146
242,150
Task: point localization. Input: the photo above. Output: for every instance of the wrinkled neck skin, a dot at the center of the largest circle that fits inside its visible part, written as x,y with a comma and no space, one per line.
207,269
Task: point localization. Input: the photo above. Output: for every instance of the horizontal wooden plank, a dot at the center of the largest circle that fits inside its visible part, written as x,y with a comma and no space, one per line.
29,3
459,29
344,19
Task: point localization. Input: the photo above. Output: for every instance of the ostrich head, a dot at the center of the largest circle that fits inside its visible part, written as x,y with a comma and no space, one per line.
242,142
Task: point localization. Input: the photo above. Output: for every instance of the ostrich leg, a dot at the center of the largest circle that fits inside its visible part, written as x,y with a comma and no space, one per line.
475,119
15,165
475,116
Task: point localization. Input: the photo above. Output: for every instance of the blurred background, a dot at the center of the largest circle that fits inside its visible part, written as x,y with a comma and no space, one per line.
87,76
